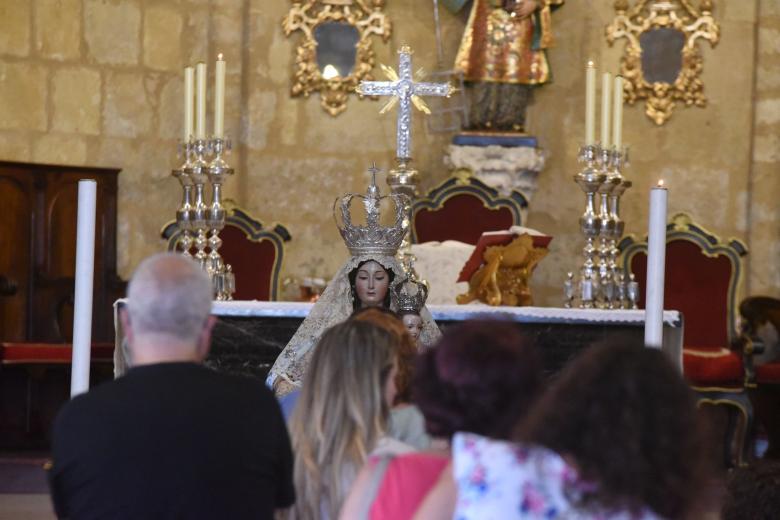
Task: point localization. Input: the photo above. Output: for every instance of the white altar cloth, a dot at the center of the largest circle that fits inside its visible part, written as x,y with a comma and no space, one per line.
673,320
456,312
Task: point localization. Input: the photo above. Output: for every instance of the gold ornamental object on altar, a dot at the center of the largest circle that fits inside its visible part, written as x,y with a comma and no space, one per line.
504,277
662,62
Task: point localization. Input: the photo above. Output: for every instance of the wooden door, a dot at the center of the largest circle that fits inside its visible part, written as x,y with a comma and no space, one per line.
16,198
38,242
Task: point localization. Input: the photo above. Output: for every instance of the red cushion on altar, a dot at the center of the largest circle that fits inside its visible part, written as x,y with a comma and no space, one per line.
706,366
50,353
769,373
462,217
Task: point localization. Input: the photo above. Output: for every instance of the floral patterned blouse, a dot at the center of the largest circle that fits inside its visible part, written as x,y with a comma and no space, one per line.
502,480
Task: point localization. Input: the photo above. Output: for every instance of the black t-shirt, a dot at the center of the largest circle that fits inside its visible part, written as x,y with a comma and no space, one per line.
172,440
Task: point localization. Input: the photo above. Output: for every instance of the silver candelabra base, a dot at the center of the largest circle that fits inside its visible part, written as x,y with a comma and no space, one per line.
200,222
601,283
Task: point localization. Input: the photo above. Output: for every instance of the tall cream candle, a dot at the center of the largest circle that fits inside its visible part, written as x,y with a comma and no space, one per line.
590,104
189,85
200,104
219,98
606,103
617,114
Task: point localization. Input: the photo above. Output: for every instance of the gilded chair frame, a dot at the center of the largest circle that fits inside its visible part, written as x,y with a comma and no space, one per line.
682,227
695,23
254,231
468,185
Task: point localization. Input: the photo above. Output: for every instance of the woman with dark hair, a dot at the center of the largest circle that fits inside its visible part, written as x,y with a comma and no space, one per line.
616,436
482,378
753,492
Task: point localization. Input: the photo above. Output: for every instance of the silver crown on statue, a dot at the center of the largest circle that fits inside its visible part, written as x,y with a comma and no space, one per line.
411,295
373,238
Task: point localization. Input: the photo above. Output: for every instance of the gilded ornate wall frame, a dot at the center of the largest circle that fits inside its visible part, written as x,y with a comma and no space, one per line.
365,16
664,21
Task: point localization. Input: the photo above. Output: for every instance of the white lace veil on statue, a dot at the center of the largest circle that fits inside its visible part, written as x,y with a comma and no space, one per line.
369,242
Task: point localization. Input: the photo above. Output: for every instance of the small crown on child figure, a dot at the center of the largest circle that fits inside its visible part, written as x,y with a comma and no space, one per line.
372,238
411,295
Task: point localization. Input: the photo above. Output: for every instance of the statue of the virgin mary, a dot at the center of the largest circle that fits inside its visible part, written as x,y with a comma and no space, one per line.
367,278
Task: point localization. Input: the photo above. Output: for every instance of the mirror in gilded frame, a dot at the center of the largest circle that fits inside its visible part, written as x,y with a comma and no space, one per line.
335,53
662,62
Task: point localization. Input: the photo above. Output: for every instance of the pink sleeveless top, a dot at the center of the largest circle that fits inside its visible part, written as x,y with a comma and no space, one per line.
407,480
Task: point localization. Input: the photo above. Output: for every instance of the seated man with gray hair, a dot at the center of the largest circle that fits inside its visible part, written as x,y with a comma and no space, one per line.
171,438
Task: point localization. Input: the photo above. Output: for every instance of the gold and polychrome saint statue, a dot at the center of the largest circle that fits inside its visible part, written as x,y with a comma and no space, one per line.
502,57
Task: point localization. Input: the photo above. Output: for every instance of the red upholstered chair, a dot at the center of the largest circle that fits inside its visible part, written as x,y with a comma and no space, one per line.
462,208
703,275
761,354
254,252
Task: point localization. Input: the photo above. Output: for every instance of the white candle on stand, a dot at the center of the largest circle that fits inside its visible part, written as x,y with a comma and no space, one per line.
590,104
219,98
606,104
85,268
200,104
189,85
617,114
656,257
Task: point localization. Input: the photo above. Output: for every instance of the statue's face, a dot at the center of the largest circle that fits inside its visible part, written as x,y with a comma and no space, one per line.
371,284
413,324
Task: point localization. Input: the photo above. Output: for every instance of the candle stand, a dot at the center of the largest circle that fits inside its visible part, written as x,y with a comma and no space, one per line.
601,285
199,222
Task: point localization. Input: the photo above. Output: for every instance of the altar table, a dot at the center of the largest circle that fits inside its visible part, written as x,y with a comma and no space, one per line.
249,335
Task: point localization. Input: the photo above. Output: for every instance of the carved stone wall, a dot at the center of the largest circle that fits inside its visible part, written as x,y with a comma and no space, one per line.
98,83
764,194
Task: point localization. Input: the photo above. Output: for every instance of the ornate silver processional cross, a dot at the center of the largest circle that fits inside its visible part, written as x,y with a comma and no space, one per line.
406,92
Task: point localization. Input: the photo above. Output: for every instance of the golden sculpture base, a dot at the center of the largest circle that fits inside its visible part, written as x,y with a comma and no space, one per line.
505,274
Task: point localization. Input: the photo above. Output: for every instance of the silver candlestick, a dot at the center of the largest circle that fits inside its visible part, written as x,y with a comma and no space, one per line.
589,180
604,285
619,159
633,292
218,170
198,172
199,221
607,291
184,214
568,290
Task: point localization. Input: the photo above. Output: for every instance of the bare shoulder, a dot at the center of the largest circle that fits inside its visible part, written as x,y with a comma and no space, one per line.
354,502
439,503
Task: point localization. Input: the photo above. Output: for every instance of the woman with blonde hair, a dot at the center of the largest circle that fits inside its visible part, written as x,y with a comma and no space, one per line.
482,378
341,416
406,423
